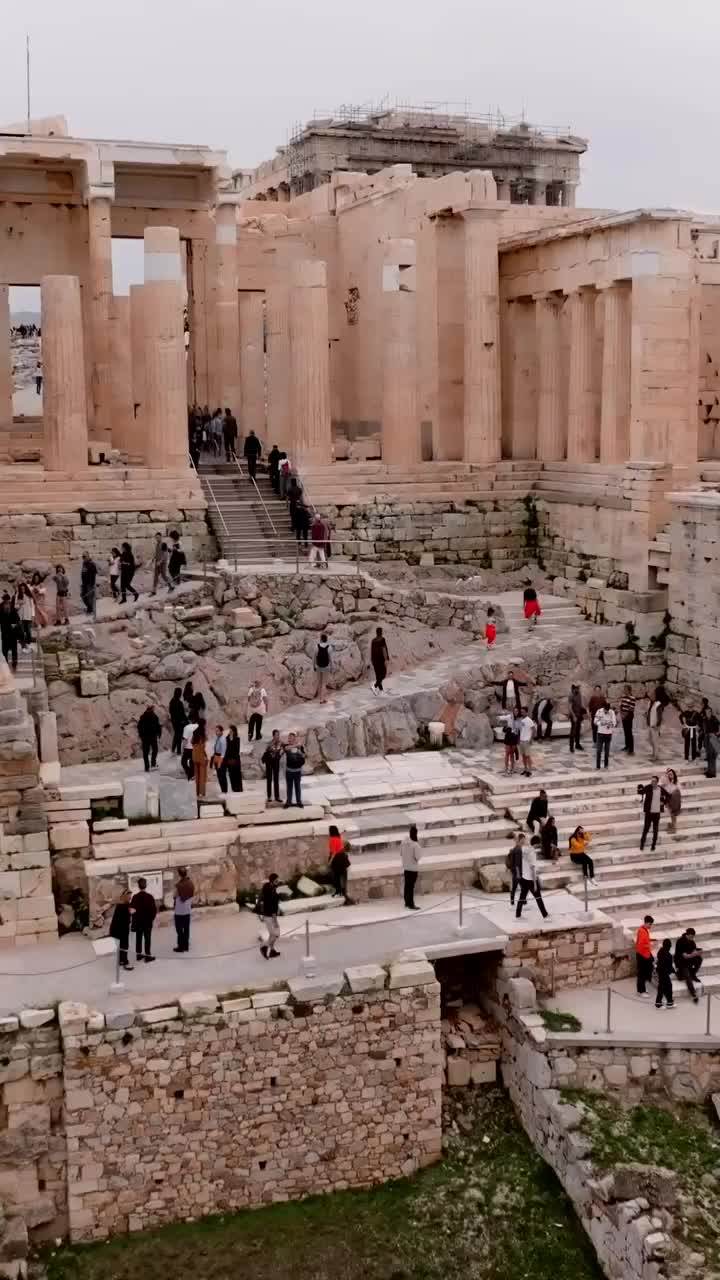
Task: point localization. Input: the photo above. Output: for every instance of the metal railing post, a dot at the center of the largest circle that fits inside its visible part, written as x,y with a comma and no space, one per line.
608,1027
708,1014
297,557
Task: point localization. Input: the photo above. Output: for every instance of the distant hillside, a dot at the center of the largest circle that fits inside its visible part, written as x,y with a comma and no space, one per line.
24,317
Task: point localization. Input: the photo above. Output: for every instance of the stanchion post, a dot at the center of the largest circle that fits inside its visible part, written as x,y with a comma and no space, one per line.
585,891
308,960
708,1013
608,1027
297,558
460,926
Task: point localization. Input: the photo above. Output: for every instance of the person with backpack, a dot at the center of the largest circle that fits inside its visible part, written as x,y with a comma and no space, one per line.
268,909
271,757
323,665
339,862
294,761
252,450
177,559
257,705
513,862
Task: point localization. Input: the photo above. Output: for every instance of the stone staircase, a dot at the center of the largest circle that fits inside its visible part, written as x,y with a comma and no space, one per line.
30,490
351,483
250,522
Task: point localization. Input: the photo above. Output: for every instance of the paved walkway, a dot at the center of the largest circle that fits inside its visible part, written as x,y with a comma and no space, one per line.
633,1018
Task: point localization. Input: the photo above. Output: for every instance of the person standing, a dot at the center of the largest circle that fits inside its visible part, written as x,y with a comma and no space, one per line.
62,591
233,766
38,377
219,748
182,908
644,956
690,727
597,700
530,883
527,729
114,571
120,928
576,713
712,746
490,627
271,757
652,808
26,612
200,760
38,595
274,468
654,724
148,727
578,846
605,724
294,761
144,909
672,797
323,665
627,718
379,658
230,434
177,560
257,706
284,468
318,541
538,810
510,692
88,583
161,556
511,737
410,855
531,606
339,862
9,630
513,862
542,717
302,523
664,966
252,451
269,905
127,572
688,961
178,720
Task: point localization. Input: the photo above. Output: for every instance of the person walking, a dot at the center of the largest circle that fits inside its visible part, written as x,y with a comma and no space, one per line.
215,433
323,665
690,727
627,719
379,658
271,757
530,883
513,862
604,725
182,909
526,730
318,541
39,597
510,692
538,811
200,760
269,910
531,606
178,720
26,612
644,956
274,468
230,434
257,705
652,808
177,560
576,713
410,856
284,469
144,909
654,718
120,928
233,766
219,748
294,761
148,727
490,627
9,630
161,557
712,746
578,846
252,451
114,571
595,702
302,523
62,591
665,968
38,377
338,862
542,717
672,797
127,572
88,583
688,961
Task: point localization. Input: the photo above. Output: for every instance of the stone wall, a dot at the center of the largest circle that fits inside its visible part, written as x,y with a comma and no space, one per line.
568,956
453,532
693,647
689,1072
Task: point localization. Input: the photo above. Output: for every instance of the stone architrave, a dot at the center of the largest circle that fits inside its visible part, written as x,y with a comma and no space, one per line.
482,428
277,328
581,401
64,397
550,424
228,328
100,260
400,422
310,364
6,380
124,428
615,390
252,361
165,409
137,358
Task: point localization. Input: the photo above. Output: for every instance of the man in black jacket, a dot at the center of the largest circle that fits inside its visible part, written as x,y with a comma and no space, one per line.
252,450
144,908
688,959
9,630
652,808
269,910
230,431
148,727
538,810
274,468
294,761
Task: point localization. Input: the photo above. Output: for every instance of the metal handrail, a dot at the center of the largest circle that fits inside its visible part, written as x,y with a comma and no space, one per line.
262,500
205,482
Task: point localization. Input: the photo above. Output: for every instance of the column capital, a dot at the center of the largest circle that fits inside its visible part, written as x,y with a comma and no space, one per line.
551,296
580,290
602,286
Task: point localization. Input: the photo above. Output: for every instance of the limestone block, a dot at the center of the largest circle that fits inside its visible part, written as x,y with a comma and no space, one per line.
135,797
93,683
365,977
243,802
119,1018
36,883
458,1072
164,1014
50,773
40,910
178,801
270,999
483,1072
111,824
212,811
9,884
244,617
417,973
30,1018
309,989
96,1021
617,1076
70,835
72,1016
236,1005
200,613
522,995
308,888
8,1025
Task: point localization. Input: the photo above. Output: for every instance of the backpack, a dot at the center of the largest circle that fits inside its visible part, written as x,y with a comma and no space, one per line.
255,697
510,737
323,656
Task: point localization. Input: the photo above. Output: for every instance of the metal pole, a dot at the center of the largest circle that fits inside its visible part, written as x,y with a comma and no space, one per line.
460,910
707,1019
204,574
307,939
609,1002
297,557
585,891
236,562
552,973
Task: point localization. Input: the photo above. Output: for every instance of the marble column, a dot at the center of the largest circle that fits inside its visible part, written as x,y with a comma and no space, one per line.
310,364
100,279
65,430
137,356
6,379
550,422
277,328
581,401
251,310
482,430
503,188
400,420
228,331
124,433
538,192
165,408
615,389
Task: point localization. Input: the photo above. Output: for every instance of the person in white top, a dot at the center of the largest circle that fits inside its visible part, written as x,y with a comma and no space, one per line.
605,724
186,759
529,883
257,705
526,729
654,723
410,855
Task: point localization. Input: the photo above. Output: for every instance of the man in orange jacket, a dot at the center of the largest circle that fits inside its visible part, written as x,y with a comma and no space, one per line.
644,956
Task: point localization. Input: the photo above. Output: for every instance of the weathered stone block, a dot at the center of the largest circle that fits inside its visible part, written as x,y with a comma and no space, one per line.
93,683
70,835
177,800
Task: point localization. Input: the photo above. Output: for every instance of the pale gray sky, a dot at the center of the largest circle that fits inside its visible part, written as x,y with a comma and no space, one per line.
637,77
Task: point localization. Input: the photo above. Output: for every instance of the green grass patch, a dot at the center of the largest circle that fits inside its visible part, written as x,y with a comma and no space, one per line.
491,1210
553,1020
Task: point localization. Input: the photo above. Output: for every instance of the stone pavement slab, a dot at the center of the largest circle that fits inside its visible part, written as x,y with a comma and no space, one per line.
636,1019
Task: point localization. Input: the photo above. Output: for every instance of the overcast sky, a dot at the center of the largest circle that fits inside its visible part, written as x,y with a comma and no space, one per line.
638,78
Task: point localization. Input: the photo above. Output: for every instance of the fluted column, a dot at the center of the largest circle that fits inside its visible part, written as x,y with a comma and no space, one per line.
277,327
400,420
137,355
551,443
228,330
252,362
65,428
100,259
615,390
124,433
6,380
165,408
581,402
481,418
310,364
